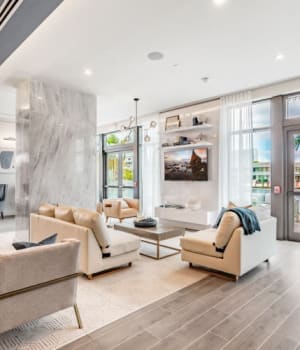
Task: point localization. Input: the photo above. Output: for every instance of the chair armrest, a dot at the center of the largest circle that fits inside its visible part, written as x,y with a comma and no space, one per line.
112,208
132,203
32,266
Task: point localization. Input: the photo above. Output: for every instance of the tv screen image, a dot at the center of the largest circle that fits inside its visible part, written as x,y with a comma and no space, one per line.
186,165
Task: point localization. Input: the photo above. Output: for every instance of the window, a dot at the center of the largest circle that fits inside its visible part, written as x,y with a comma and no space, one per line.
292,106
120,164
261,178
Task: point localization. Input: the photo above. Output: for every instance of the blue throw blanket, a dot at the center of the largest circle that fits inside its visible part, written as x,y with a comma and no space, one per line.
248,219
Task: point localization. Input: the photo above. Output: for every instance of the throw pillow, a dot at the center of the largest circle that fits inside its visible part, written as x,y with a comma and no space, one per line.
230,221
23,245
47,209
64,213
95,222
124,204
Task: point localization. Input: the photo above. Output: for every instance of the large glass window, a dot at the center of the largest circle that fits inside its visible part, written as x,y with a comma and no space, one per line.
261,178
292,105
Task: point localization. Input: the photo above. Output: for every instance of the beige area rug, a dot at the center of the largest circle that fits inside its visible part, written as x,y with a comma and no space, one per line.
108,297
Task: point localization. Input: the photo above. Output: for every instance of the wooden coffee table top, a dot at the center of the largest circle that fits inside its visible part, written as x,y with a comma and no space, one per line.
158,233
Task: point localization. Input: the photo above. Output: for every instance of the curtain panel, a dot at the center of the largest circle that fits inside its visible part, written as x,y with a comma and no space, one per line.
236,150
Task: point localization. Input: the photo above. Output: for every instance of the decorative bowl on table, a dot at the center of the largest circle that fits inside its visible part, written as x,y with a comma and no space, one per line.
145,222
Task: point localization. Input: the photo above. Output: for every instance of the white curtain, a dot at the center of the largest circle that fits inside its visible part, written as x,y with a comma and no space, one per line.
150,169
235,155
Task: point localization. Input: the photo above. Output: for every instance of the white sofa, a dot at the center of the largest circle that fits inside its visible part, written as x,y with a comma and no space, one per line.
124,247
242,253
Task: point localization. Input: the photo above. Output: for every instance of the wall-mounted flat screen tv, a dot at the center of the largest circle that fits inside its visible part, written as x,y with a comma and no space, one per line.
186,165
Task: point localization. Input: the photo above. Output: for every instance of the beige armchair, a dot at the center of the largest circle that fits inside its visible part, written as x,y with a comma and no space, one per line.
120,208
38,281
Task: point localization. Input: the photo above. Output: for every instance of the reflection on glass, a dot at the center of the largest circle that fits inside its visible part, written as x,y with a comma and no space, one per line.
119,138
293,107
127,168
128,193
261,115
113,169
112,193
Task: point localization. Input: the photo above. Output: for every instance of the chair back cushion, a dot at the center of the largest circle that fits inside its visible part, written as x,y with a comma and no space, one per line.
64,213
229,222
95,222
47,209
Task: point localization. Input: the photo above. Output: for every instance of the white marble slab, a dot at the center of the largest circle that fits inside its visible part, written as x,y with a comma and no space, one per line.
56,148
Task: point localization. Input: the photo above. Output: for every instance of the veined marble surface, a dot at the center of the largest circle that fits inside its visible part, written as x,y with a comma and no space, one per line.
56,148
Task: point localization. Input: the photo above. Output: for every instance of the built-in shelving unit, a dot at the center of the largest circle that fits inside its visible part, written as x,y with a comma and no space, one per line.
189,128
190,145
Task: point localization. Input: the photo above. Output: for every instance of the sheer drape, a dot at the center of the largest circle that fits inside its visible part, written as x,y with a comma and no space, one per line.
150,171
235,155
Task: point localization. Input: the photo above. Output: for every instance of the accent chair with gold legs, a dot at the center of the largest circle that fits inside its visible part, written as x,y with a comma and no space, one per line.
38,281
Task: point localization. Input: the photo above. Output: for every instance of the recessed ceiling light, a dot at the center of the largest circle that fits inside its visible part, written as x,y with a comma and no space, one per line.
155,56
205,79
279,56
88,72
219,2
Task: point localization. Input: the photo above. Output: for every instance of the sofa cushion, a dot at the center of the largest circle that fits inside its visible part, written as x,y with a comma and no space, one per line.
64,213
201,242
95,222
229,222
122,243
124,204
47,209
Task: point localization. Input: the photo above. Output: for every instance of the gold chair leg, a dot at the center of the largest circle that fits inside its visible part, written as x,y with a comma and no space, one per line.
79,321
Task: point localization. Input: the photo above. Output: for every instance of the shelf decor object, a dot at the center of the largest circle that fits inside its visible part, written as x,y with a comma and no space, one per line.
172,123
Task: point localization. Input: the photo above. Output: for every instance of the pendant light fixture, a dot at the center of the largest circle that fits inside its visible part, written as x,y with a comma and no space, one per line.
133,123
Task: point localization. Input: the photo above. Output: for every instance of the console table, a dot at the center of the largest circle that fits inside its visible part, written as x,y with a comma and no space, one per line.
187,218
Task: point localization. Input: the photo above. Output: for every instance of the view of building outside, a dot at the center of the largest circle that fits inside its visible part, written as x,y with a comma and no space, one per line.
261,176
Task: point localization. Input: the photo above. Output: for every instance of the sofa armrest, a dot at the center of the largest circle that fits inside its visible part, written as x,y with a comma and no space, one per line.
32,266
112,208
132,203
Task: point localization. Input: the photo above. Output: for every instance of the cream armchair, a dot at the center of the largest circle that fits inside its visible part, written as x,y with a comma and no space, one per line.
38,281
120,208
243,252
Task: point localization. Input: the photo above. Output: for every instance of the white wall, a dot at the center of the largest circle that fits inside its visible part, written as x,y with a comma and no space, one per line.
180,192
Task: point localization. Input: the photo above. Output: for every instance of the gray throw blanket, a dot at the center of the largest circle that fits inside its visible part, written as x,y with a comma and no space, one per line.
248,219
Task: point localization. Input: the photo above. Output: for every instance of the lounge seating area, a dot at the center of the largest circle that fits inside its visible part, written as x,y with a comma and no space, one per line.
149,175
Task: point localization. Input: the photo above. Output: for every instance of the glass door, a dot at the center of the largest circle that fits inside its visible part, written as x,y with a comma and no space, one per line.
293,185
120,175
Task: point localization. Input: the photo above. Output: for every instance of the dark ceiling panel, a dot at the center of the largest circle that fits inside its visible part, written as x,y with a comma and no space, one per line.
24,21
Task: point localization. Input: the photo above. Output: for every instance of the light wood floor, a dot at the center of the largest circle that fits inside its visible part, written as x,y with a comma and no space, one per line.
260,311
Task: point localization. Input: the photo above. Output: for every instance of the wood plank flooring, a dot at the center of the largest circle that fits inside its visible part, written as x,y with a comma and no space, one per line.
260,311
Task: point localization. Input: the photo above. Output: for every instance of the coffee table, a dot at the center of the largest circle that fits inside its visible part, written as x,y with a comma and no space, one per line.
156,234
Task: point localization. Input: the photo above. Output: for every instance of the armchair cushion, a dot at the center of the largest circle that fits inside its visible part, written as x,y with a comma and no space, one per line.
64,213
201,242
95,222
229,222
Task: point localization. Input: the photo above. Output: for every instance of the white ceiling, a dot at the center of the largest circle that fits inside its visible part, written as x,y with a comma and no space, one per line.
234,45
